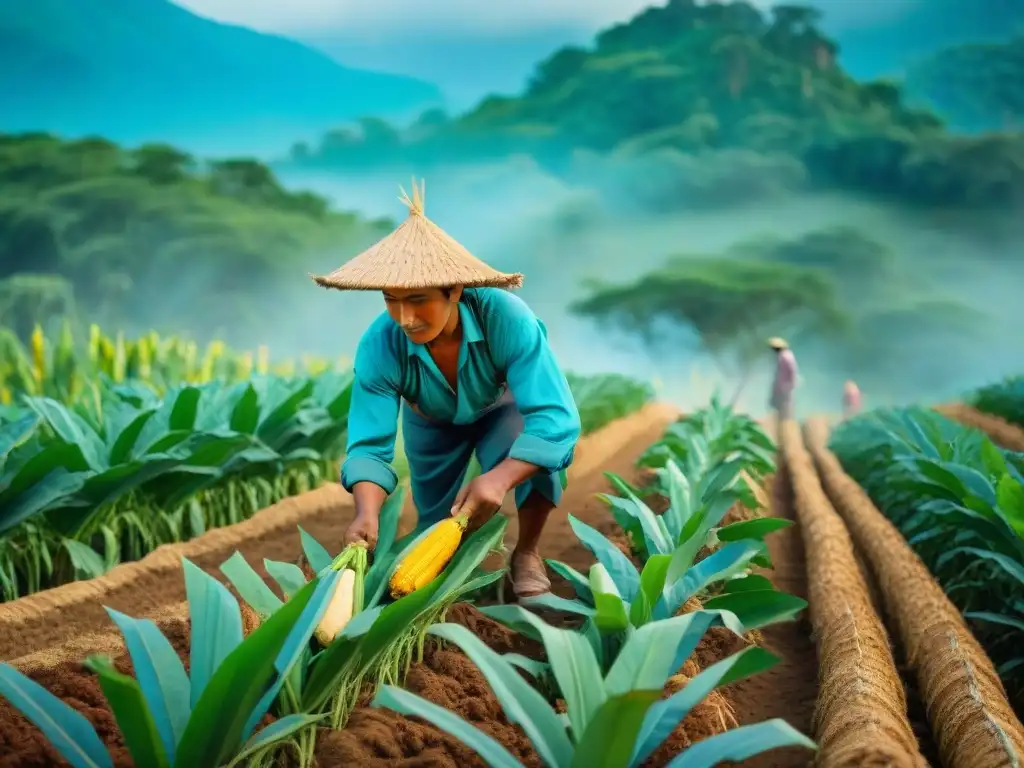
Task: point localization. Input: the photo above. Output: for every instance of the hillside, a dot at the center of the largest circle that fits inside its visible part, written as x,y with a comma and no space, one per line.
978,86
698,80
146,236
143,69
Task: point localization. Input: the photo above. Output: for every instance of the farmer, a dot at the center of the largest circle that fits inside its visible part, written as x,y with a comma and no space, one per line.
851,399
786,378
471,366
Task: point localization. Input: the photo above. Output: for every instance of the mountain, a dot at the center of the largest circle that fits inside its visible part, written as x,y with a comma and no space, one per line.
680,87
139,70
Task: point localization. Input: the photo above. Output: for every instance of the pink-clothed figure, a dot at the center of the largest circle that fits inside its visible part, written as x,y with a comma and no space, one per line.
851,399
786,378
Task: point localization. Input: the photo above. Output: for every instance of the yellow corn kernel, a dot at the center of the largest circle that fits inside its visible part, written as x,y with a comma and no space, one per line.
429,557
340,609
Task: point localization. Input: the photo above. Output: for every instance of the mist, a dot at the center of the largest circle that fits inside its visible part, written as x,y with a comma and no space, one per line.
518,218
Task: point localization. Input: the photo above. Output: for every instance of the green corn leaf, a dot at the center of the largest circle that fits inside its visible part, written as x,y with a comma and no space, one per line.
132,713
216,626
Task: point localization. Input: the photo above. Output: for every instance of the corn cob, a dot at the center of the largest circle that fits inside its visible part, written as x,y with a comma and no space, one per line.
263,360
38,355
347,599
429,557
340,609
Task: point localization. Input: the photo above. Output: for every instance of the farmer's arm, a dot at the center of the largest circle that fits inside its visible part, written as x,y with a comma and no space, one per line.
372,424
551,421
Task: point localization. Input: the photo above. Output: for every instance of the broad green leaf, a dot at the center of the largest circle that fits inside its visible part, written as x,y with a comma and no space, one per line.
752,529
296,645
15,432
572,661
718,566
1010,500
694,534
132,713
250,586
84,559
287,575
758,608
612,731
215,730
409,704
579,582
71,735
552,602
677,487
619,567
750,583
316,554
665,715
657,650
740,744
216,626
160,675
522,704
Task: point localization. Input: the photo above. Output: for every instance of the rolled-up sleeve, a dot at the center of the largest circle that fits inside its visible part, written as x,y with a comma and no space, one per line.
373,416
551,420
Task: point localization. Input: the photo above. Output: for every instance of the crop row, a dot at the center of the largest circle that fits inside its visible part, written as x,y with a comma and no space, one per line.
958,499
101,479
262,666
1004,399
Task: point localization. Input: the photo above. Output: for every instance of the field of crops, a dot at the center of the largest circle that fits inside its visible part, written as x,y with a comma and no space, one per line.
716,597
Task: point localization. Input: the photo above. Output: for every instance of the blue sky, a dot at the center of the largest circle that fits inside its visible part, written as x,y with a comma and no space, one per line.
514,17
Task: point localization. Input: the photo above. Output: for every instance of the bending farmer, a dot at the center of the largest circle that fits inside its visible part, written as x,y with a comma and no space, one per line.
470,368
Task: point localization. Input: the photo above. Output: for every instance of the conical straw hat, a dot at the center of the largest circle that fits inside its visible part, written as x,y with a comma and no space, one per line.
777,343
419,254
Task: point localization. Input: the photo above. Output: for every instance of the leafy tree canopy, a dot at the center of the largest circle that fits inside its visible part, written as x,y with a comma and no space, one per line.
151,235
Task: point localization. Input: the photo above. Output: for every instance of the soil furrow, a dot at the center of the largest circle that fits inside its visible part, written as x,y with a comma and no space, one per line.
861,714
789,689
970,715
1000,431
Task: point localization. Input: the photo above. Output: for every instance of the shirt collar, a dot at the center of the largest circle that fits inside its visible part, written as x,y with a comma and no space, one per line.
471,332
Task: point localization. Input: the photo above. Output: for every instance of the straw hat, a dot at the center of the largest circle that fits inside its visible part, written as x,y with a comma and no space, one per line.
776,343
419,254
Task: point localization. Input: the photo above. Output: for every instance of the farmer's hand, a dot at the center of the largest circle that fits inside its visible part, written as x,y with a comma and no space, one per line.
363,529
481,499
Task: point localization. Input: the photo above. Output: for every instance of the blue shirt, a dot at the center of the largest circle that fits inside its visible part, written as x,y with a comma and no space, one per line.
502,342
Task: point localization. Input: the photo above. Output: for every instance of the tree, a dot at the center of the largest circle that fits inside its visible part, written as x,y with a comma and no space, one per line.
162,163
732,305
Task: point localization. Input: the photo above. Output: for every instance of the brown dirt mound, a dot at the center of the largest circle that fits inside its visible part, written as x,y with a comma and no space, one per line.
1000,431
861,714
969,712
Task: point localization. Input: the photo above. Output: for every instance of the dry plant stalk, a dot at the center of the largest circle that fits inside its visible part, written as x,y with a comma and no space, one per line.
972,720
861,714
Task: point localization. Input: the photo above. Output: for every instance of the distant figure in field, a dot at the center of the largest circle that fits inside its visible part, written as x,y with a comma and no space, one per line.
851,399
786,378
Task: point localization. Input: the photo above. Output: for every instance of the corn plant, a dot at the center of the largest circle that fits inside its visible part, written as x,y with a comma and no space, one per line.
616,597
202,719
379,643
612,720
959,501
85,487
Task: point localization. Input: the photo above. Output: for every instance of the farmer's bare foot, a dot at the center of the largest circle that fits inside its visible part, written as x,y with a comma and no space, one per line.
528,575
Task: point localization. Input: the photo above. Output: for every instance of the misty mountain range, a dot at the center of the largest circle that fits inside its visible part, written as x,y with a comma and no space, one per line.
141,70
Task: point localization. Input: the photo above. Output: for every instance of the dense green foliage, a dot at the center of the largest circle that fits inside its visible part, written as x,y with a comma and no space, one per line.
152,68
979,86
141,238
1005,399
689,79
959,500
